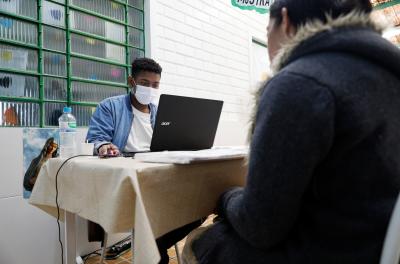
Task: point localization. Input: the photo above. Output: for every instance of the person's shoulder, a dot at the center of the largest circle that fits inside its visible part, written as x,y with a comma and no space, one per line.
325,67
307,70
114,99
297,85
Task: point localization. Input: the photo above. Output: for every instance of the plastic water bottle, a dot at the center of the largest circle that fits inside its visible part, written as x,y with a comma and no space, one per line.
67,129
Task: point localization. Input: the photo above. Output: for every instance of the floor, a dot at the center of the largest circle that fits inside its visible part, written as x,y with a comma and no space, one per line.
127,257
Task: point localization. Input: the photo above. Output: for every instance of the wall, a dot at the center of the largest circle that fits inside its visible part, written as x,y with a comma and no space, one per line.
27,234
205,50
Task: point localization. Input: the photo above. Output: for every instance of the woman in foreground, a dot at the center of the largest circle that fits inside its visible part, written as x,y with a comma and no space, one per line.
324,167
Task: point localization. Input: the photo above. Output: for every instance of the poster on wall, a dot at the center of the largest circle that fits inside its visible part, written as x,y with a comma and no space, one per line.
39,145
53,14
9,6
261,6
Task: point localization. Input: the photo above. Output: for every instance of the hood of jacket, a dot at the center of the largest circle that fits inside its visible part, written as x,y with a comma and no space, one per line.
355,33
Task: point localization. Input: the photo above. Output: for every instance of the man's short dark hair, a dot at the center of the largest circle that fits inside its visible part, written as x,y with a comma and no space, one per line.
145,64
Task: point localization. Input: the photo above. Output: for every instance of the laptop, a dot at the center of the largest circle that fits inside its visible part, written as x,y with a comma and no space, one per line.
184,123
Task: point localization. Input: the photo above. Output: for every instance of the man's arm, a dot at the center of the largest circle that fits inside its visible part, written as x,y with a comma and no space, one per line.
101,127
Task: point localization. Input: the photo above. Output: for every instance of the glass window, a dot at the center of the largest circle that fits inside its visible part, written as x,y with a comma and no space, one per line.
52,111
97,48
135,18
136,3
53,14
26,8
34,89
83,114
54,64
16,30
98,71
55,89
54,39
17,114
104,7
135,53
136,38
89,92
18,85
18,58
93,25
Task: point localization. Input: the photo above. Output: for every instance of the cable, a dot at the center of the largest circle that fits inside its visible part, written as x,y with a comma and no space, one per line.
87,256
58,207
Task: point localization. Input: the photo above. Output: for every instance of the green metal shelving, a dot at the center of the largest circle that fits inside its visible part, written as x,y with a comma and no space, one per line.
40,74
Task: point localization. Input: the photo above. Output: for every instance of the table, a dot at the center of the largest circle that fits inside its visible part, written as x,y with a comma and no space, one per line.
123,193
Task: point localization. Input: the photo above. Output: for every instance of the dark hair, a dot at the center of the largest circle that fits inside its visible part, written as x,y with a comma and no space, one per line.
302,11
145,64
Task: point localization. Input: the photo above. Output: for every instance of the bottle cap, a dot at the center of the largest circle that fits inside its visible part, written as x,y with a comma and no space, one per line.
67,110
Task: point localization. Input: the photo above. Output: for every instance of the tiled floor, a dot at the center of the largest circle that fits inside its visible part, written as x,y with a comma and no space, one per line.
127,257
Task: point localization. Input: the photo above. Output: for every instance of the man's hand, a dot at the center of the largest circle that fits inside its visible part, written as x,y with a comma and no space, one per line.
108,149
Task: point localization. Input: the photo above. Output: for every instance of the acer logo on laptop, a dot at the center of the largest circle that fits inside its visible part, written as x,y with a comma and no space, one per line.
165,123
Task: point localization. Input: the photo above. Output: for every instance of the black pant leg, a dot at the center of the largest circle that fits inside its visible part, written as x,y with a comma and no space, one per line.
168,240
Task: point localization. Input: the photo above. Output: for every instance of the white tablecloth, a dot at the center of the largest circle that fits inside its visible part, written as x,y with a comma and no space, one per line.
122,193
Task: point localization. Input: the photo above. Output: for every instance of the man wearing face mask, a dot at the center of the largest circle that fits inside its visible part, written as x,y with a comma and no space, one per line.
125,124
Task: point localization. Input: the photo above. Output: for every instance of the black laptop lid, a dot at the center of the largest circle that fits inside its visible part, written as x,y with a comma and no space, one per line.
185,123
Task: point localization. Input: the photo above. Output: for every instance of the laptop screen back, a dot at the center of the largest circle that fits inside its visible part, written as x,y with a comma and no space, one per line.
185,123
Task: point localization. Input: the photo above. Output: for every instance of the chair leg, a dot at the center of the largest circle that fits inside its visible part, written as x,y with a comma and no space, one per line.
104,247
178,254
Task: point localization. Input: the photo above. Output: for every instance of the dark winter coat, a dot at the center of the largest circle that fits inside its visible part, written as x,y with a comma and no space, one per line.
324,168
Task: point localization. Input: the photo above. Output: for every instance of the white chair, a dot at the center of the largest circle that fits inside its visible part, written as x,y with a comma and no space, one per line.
391,246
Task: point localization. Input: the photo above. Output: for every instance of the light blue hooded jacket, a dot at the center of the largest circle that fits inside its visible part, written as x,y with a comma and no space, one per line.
112,122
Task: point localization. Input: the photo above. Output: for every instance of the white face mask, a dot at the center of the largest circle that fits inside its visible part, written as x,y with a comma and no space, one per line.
146,95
